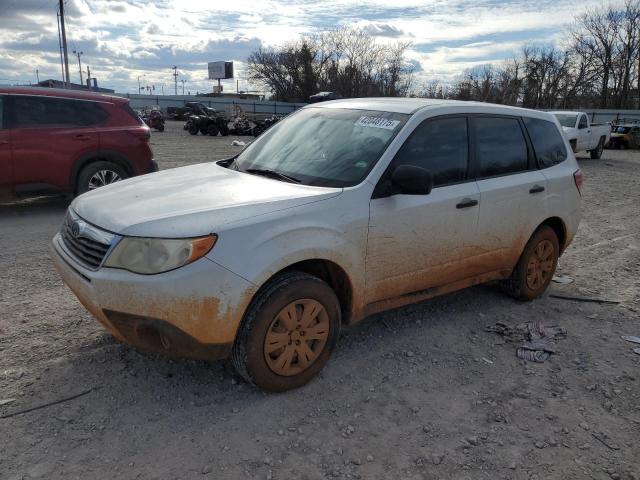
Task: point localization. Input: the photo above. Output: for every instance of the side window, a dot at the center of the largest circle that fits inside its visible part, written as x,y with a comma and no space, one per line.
583,122
547,142
47,111
439,146
501,146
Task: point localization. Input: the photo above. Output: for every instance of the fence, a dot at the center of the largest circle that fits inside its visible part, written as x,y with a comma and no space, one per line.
250,106
604,116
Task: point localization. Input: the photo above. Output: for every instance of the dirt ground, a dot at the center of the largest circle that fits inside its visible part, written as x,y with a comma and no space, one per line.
422,392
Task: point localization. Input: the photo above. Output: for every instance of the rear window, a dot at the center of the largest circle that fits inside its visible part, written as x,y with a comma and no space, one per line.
38,111
548,144
501,146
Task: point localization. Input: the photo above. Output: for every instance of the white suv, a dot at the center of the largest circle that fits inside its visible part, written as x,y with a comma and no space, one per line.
340,210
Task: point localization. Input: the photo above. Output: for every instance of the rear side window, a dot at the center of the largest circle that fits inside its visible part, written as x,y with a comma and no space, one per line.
48,111
547,142
132,113
439,146
501,146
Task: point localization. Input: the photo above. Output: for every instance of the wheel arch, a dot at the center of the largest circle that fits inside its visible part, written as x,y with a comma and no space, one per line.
558,226
97,156
329,272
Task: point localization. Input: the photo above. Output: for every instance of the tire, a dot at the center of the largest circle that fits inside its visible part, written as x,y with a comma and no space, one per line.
98,174
596,153
224,130
193,130
212,130
520,285
161,128
203,131
262,324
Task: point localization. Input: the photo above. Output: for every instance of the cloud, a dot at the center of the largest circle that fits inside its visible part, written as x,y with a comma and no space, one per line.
383,30
126,39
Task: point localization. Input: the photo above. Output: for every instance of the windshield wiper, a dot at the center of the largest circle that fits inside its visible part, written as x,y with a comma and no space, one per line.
272,174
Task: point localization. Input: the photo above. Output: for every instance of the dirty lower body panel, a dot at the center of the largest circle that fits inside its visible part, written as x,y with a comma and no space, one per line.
192,312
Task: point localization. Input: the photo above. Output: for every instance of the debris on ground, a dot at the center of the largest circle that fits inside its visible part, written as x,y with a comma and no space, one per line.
631,338
238,143
562,279
538,339
583,299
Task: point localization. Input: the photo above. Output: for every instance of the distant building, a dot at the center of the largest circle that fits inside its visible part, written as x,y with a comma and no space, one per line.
51,83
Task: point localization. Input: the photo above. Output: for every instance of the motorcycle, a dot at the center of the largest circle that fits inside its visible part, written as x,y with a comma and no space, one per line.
155,120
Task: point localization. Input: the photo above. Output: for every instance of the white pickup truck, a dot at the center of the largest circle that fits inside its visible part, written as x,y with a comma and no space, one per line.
582,134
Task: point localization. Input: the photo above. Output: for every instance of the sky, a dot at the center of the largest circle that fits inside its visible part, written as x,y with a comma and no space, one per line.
132,42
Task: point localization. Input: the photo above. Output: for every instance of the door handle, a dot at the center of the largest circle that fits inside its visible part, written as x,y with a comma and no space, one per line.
536,189
4,142
466,203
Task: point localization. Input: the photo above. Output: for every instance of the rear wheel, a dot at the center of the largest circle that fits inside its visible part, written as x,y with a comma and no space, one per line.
537,264
288,332
596,153
193,130
99,174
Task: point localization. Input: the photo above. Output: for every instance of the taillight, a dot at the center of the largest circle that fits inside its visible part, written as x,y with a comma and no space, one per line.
143,133
578,177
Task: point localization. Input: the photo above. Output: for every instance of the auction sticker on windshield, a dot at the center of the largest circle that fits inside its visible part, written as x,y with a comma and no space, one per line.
377,122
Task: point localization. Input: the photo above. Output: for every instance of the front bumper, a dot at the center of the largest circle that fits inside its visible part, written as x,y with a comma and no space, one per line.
193,311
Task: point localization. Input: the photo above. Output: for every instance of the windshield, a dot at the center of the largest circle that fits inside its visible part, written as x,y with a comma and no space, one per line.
328,147
566,120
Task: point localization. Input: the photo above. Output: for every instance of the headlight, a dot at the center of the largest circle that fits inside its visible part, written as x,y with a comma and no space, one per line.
157,255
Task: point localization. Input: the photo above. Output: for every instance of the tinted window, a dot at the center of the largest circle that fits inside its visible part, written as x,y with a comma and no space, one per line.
583,121
547,142
47,111
439,146
501,147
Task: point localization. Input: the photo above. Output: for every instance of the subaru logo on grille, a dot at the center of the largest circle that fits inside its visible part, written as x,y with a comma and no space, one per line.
76,228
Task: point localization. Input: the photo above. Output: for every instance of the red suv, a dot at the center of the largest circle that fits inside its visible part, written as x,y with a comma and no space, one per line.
68,141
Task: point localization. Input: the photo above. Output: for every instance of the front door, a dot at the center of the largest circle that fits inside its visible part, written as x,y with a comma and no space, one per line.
584,134
6,167
417,242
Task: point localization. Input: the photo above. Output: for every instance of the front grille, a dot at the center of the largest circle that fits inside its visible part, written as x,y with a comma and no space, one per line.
85,247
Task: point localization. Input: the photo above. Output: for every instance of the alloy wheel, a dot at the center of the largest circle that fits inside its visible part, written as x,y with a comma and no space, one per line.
296,337
102,178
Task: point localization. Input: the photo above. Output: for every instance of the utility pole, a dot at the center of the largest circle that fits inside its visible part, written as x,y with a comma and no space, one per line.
182,80
175,78
88,77
64,43
79,65
60,45
37,75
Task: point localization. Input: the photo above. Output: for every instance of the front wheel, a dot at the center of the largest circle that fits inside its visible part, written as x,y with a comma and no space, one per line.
212,129
99,174
288,332
537,264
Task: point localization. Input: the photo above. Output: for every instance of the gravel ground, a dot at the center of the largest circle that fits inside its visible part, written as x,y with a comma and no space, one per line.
421,392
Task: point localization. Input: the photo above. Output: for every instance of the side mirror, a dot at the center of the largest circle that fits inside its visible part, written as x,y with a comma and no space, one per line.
412,180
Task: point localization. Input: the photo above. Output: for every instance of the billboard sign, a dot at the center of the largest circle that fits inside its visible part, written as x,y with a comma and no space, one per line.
220,70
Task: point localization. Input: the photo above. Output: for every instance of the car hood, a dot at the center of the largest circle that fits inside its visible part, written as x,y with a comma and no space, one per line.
190,201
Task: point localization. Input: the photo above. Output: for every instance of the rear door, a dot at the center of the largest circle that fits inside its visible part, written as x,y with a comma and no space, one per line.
48,135
6,167
417,242
512,191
